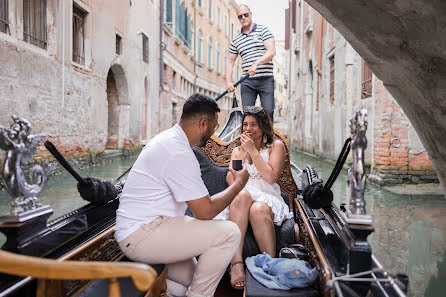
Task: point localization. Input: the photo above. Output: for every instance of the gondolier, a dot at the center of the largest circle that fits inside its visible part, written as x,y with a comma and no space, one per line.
256,46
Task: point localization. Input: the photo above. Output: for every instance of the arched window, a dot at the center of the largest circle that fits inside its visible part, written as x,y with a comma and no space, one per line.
210,52
210,9
225,57
200,46
217,58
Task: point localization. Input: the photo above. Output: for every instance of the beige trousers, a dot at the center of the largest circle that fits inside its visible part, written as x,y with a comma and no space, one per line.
176,242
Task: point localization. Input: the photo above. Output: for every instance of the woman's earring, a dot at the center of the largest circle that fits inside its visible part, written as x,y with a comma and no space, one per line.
265,139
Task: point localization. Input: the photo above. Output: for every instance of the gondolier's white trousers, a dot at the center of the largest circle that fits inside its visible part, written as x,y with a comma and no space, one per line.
176,242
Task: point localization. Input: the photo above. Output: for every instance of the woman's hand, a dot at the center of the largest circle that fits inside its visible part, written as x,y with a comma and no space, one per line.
247,144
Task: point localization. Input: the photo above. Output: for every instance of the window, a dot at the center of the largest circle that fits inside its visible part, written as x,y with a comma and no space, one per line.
118,44
226,25
79,35
224,60
200,47
210,53
200,3
168,13
210,10
218,18
34,22
183,24
145,48
217,59
332,70
232,31
4,19
366,81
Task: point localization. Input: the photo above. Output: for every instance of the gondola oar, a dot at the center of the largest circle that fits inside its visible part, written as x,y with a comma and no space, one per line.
235,86
90,188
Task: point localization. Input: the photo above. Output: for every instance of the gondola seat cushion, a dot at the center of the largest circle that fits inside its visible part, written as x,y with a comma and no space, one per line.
214,178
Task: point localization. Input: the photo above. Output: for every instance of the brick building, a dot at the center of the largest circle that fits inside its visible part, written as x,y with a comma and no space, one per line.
84,72
196,37
328,82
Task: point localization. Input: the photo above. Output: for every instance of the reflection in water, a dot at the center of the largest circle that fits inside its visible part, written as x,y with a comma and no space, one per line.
410,231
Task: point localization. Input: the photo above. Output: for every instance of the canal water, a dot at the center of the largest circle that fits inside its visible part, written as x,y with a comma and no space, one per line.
409,237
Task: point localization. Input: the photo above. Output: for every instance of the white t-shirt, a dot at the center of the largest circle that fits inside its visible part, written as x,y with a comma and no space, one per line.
165,175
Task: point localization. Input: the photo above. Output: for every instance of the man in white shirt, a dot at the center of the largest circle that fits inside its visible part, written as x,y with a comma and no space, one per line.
150,223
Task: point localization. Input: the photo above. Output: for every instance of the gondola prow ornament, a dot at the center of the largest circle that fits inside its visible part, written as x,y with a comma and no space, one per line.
19,145
356,216
356,174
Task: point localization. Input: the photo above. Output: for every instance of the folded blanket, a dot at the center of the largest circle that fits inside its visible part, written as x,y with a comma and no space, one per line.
281,273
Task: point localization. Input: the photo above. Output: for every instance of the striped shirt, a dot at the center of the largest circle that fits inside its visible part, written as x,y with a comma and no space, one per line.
250,47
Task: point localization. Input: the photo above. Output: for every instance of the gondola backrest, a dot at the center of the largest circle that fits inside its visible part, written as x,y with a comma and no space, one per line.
219,152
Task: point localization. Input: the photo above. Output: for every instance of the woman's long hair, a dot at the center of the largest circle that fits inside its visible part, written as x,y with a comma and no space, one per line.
264,122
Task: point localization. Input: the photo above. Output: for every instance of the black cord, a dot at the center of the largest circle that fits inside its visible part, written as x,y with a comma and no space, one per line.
339,163
53,150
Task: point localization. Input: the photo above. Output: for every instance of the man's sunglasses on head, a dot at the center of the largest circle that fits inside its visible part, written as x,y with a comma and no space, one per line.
240,16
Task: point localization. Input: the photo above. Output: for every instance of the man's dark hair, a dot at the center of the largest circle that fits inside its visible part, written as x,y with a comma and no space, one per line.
199,104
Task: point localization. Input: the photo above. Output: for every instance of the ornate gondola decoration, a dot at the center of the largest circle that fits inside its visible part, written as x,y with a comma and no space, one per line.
20,145
359,222
356,174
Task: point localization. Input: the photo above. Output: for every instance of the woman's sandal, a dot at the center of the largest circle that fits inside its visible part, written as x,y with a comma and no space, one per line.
239,283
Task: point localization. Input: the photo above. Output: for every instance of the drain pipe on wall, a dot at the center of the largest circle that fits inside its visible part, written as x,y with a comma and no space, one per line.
162,47
63,53
195,46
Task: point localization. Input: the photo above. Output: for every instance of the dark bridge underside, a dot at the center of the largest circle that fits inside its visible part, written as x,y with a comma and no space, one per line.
404,44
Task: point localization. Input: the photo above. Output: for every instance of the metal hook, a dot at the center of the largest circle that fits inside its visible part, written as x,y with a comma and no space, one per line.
395,142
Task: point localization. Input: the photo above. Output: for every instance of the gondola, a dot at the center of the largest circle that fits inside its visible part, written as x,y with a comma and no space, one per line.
337,244
335,237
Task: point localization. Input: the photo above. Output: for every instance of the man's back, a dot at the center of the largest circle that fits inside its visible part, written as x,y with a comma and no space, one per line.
165,175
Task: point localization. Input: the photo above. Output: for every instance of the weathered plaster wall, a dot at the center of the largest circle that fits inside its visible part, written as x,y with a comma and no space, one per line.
68,101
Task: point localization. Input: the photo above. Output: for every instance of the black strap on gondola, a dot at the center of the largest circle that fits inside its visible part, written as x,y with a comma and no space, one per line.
339,163
317,195
90,188
119,178
235,86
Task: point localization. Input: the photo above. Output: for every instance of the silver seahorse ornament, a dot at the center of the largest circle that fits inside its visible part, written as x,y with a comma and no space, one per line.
19,145
356,173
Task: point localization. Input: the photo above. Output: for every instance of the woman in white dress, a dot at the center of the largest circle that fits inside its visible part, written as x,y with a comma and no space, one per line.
260,202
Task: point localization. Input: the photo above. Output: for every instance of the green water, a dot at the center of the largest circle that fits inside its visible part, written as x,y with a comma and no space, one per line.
410,231
409,237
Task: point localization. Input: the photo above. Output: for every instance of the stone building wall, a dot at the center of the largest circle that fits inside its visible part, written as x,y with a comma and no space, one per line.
187,69
69,101
280,80
319,121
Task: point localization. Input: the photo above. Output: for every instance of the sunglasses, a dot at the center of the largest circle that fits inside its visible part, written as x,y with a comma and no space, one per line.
252,109
240,16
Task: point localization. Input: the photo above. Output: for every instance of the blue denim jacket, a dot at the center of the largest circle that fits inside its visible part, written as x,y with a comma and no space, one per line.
281,273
